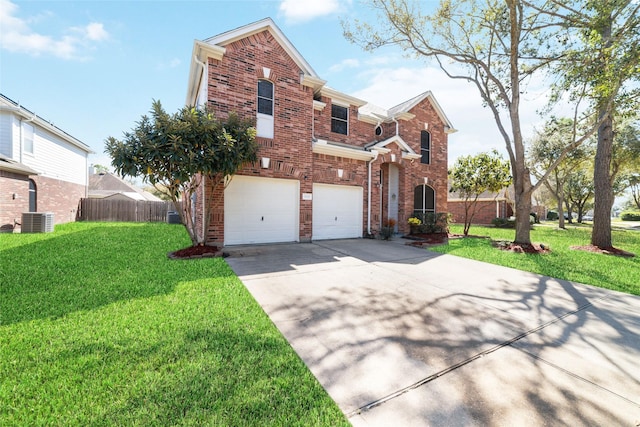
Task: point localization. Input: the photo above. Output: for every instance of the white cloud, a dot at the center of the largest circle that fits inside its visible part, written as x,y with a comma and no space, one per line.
95,31
345,63
18,36
172,63
305,10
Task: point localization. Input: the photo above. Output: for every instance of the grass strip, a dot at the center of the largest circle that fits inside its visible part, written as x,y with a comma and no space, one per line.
98,327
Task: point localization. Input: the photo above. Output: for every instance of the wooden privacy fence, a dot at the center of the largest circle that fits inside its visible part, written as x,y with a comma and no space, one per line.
123,210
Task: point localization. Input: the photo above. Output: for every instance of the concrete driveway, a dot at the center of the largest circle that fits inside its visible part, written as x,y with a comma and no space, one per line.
403,336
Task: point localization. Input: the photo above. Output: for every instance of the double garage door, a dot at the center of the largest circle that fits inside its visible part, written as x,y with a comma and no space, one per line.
266,210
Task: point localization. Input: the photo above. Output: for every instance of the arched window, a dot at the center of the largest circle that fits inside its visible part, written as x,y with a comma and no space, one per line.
264,122
424,200
425,147
33,196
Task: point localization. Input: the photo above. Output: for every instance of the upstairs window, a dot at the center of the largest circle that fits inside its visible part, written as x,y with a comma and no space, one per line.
425,147
339,119
264,122
27,138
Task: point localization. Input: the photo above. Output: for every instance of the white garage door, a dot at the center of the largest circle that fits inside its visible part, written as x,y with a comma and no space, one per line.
337,211
260,210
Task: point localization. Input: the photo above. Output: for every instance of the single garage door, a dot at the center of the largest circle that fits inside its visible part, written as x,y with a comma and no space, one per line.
260,210
337,211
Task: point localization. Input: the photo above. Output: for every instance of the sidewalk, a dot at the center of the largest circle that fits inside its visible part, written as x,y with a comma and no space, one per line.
403,336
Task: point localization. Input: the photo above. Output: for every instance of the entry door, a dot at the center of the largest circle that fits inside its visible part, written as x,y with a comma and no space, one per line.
393,193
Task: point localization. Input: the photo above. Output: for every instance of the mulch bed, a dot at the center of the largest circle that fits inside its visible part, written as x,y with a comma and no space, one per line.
422,240
193,252
605,251
521,248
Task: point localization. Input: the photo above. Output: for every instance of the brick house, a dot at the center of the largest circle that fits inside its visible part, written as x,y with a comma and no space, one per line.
489,206
330,165
42,168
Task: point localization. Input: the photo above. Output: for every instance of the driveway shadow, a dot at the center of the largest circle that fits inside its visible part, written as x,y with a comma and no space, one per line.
435,339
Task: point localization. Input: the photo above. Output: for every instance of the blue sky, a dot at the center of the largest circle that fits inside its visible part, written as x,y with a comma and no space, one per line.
93,67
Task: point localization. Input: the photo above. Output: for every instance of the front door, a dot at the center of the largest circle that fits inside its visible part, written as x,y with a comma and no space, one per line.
393,194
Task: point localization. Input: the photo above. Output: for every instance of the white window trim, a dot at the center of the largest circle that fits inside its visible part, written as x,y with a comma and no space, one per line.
265,122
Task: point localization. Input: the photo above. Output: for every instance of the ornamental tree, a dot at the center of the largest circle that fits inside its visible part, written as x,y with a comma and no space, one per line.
473,175
177,153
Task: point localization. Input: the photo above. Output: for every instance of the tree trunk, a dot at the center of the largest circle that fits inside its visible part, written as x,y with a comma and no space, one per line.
522,190
603,190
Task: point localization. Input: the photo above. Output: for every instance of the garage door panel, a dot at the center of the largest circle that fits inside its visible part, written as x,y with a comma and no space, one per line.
261,210
337,211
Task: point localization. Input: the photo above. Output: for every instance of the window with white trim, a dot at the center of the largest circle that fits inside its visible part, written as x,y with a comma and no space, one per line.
339,119
424,200
264,122
27,138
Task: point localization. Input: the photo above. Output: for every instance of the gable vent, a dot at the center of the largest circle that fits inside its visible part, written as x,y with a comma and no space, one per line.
37,222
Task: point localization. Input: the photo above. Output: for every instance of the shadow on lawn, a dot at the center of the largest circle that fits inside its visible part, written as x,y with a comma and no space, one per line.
93,267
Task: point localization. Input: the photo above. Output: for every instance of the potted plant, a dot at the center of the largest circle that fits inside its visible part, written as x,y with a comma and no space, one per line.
414,225
388,227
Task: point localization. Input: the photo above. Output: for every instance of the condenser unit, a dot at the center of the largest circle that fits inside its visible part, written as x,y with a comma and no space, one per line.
37,222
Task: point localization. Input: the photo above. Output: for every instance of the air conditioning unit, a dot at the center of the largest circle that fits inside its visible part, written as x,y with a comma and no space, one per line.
37,222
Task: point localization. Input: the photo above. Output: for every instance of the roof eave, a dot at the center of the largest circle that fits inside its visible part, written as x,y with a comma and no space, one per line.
324,147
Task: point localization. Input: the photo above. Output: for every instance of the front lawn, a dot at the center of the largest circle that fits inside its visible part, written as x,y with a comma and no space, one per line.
606,271
98,327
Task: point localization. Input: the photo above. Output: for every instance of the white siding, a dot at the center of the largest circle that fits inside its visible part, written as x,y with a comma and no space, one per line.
55,158
6,134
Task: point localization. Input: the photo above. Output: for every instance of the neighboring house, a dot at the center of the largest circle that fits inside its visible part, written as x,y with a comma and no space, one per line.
330,165
111,187
42,168
488,207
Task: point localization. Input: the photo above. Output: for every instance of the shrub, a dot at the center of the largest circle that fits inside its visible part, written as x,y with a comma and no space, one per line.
414,221
503,222
552,216
388,227
630,216
433,222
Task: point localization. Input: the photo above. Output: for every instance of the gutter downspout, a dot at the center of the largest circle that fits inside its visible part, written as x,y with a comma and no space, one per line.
204,67
202,183
375,157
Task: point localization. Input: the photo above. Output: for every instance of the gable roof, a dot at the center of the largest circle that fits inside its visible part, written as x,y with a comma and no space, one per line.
407,151
402,111
107,184
214,47
7,104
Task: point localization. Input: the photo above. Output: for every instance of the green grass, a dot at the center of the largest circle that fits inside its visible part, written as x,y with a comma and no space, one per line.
98,327
605,271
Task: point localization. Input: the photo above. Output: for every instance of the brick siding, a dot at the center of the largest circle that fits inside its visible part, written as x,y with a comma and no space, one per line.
232,86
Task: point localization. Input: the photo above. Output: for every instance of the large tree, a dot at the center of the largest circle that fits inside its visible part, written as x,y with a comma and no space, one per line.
472,176
601,61
497,45
178,153
547,145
